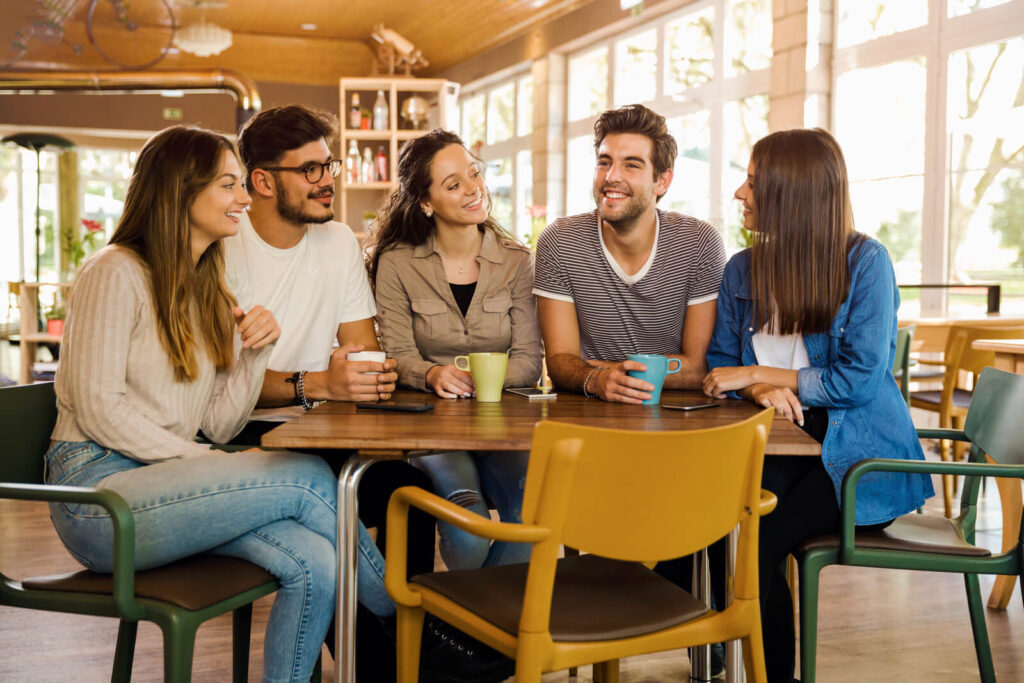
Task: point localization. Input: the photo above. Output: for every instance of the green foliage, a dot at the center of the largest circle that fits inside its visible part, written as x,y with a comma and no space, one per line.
901,237
1008,216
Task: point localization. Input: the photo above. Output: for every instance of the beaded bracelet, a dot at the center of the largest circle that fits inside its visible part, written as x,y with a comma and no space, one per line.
586,382
301,384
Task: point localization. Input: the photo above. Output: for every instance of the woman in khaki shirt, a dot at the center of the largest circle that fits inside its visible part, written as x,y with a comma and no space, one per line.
450,281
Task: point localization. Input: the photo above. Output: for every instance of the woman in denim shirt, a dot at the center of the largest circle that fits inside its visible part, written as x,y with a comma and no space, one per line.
807,324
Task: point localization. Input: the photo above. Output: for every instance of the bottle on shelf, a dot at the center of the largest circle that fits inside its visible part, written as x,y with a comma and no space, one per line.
381,165
366,168
355,114
380,112
352,163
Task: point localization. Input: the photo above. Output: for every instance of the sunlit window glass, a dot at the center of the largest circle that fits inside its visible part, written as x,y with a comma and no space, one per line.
690,191
473,120
958,8
579,196
588,84
863,20
744,123
884,149
748,36
524,193
524,106
690,50
499,184
501,113
986,176
636,68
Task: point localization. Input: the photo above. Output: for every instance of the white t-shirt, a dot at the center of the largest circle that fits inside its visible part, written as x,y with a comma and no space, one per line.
310,288
786,351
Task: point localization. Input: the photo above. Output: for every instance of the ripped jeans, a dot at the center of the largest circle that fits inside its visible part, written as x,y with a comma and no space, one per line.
472,479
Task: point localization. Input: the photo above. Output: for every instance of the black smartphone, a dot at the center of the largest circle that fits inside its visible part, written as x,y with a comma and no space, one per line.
695,404
400,407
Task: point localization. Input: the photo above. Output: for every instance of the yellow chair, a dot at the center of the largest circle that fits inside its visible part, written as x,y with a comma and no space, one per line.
625,497
960,362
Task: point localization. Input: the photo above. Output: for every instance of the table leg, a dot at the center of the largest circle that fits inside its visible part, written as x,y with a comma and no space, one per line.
27,352
1010,501
734,672
700,656
348,562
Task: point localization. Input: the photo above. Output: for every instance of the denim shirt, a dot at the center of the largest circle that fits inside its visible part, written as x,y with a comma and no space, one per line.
850,375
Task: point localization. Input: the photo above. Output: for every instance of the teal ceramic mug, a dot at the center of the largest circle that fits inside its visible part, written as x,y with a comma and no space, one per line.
658,367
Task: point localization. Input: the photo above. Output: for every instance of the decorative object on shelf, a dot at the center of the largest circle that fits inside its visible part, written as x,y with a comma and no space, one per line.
380,112
113,28
394,51
369,221
352,162
415,110
355,114
37,142
380,165
55,320
79,243
204,38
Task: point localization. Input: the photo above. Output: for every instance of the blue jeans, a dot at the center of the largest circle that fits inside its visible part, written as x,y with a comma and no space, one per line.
468,479
277,510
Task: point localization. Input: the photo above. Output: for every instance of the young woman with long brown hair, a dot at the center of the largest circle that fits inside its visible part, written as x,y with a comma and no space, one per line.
807,324
148,361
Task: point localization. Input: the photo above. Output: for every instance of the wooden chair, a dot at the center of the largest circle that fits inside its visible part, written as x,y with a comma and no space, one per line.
929,542
676,493
178,597
901,362
960,361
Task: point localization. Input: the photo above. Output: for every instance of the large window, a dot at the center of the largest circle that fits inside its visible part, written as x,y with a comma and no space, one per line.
705,68
496,123
929,108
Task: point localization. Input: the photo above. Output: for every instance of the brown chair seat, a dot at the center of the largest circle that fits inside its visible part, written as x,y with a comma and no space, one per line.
961,397
916,533
595,598
193,583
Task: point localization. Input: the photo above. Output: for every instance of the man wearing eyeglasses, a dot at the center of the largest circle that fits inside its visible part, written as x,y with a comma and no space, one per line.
306,267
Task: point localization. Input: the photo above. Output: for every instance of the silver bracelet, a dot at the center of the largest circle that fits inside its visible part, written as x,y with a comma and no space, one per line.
586,382
302,391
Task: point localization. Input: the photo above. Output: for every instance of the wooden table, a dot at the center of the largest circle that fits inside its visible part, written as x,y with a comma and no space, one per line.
1009,357
28,331
461,424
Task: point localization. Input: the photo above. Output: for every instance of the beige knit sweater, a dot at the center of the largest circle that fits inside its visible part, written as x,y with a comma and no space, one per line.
115,384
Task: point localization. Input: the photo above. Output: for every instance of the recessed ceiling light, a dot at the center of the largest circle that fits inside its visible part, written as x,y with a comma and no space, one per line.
307,27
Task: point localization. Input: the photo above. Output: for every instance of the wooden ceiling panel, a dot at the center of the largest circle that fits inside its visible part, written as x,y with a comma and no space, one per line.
270,45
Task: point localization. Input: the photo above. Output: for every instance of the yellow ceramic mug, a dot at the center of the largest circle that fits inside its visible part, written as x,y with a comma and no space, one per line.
488,370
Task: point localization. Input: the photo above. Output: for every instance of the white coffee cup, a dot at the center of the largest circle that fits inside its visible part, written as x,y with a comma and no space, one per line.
373,356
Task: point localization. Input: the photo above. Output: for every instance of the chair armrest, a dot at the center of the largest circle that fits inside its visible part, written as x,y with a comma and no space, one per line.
942,433
768,502
124,531
396,567
853,476
929,361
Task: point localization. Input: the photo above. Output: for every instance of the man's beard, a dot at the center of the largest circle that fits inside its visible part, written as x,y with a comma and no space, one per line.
627,219
294,212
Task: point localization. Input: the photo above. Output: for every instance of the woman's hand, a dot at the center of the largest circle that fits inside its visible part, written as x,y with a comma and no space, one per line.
257,328
721,380
782,399
450,382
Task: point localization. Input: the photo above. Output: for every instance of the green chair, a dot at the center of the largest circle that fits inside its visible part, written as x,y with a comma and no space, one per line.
177,597
901,363
931,542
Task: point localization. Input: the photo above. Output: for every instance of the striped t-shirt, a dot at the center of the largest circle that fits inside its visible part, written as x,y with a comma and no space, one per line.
619,314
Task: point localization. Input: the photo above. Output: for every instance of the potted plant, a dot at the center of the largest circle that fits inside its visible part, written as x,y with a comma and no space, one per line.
55,320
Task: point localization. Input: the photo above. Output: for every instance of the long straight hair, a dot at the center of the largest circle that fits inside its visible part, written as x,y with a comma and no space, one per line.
804,231
174,166
401,218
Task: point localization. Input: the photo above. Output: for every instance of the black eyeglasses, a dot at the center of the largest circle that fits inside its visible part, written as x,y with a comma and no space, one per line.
313,171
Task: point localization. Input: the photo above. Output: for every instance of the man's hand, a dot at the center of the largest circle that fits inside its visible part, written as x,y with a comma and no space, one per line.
613,384
450,382
257,328
347,380
782,399
721,380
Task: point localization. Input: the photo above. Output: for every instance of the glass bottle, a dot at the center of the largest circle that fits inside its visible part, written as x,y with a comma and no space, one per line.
355,114
352,162
366,168
380,112
381,164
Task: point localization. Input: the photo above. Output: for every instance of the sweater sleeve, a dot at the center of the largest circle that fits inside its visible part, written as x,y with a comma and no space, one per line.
106,306
234,394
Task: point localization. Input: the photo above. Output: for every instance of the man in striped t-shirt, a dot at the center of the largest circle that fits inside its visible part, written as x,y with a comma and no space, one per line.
627,278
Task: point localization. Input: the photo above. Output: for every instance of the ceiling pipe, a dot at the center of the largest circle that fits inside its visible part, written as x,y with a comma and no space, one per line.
243,88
